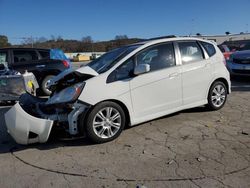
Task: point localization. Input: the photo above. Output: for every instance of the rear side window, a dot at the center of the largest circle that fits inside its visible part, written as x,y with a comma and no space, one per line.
24,56
209,48
44,54
190,52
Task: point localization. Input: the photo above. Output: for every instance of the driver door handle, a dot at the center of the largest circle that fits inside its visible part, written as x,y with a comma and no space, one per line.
40,66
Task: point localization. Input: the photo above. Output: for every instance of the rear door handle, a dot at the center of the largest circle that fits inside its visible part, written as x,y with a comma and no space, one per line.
40,66
173,75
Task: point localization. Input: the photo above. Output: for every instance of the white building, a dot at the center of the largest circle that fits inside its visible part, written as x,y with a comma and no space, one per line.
219,39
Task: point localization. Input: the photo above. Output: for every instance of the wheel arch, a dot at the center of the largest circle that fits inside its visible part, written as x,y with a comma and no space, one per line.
124,107
209,104
221,79
224,81
83,117
44,74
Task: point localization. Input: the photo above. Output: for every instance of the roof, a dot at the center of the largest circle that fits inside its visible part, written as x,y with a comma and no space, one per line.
22,48
169,39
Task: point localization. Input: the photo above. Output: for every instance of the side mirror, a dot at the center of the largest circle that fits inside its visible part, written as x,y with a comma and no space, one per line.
141,69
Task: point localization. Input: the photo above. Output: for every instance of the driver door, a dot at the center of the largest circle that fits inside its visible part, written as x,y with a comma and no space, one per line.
158,91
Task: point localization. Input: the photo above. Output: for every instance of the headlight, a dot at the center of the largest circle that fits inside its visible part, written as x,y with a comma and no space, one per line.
68,94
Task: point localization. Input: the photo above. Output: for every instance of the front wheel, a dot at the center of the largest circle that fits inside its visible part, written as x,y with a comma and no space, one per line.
217,96
105,122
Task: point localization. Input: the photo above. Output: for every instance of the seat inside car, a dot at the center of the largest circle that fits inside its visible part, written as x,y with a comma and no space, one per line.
163,59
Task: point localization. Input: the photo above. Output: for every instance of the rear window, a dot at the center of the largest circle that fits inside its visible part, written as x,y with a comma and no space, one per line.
209,48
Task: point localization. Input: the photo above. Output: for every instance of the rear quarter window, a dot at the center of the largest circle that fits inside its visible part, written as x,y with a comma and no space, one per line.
44,54
209,48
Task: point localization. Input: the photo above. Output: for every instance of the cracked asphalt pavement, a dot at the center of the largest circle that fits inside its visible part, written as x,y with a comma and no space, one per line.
192,148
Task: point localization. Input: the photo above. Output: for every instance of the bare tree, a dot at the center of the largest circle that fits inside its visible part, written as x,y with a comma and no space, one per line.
87,39
59,38
52,37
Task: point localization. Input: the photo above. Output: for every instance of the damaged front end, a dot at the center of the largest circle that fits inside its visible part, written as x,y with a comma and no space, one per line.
31,120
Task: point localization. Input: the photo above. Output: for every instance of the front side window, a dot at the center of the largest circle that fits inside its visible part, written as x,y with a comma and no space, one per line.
190,52
4,58
126,70
24,56
158,57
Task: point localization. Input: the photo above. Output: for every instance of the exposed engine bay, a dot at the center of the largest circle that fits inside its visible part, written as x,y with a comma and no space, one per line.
38,115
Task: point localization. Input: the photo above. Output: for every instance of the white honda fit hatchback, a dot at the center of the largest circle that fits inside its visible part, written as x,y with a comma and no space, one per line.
126,86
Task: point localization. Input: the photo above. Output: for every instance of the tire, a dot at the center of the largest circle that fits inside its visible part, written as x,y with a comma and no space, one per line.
44,83
217,96
107,127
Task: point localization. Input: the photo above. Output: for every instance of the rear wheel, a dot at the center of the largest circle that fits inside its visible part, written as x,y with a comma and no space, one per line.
105,122
217,95
45,84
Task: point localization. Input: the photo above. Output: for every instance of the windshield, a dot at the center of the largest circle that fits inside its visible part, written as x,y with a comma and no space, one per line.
108,60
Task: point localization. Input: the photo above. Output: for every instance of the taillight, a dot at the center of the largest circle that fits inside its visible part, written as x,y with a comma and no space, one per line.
227,55
66,63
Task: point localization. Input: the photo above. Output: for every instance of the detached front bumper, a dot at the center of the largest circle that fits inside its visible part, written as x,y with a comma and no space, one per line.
27,129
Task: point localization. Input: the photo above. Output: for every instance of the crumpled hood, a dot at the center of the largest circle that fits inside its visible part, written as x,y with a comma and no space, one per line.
83,70
87,70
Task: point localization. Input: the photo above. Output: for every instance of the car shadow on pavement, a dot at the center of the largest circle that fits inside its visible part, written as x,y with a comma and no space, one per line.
8,145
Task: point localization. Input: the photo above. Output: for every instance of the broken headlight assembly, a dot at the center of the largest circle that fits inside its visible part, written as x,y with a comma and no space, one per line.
67,95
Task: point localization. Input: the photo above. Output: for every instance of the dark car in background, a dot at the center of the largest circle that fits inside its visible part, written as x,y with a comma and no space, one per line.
43,63
245,46
239,63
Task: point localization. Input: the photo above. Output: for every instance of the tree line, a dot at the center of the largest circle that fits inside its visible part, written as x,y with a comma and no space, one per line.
86,44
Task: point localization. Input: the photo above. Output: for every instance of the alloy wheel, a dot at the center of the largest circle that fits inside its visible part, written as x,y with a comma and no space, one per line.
107,122
218,95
